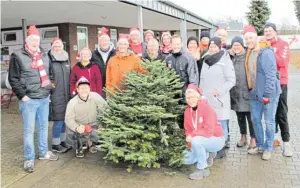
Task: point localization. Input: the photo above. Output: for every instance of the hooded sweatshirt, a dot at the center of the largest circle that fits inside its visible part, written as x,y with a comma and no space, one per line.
204,117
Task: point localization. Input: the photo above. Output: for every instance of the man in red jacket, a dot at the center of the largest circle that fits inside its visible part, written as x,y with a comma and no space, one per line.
282,53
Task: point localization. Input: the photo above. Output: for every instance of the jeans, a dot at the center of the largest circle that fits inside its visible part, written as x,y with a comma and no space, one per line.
242,117
281,115
258,109
201,146
58,132
35,110
224,124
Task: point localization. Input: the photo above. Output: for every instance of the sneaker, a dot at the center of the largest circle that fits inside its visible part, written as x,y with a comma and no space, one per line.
49,156
221,154
254,151
79,153
287,150
199,174
59,149
210,160
266,155
93,149
276,143
29,166
65,145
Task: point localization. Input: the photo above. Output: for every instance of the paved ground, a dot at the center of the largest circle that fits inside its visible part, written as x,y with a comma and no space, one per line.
238,170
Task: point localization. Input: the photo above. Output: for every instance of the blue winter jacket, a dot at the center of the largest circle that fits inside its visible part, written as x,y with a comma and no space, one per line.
267,79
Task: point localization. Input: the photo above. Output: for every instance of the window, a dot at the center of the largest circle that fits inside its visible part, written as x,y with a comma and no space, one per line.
10,37
82,38
114,36
50,34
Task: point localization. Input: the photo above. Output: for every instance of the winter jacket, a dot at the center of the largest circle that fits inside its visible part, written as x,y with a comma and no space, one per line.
25,80
185,66
282,54
98,60
117,67
60,71
160,57
90,72
81,112
267,82
207,121
219,77
240,94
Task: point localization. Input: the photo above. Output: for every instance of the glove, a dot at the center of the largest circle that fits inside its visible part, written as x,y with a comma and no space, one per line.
88,128
266,100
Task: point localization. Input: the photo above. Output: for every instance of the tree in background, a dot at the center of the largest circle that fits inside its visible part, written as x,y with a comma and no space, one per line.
297,9
258,15
140,125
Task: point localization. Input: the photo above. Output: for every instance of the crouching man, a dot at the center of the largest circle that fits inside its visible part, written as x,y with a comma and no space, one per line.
81,118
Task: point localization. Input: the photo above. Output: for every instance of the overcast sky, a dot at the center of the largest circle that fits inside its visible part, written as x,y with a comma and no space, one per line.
282,10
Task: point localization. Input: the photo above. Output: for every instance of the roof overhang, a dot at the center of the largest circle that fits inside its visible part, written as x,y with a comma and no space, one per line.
110,13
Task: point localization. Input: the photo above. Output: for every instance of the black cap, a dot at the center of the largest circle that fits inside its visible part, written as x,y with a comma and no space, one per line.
82,80
216,41
269,24
237,39
194,39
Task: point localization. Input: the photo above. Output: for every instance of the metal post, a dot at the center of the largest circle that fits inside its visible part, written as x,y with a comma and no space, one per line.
24,28
183,31
140,21
199,33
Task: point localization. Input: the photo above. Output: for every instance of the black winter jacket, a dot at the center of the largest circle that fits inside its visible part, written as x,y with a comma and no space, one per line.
60,95
25,80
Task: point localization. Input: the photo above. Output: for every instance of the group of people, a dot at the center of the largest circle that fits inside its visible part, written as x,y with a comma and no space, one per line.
217,78
251,81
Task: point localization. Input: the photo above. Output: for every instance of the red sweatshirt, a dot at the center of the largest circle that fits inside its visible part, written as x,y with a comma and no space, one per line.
90,72
207,122
282,53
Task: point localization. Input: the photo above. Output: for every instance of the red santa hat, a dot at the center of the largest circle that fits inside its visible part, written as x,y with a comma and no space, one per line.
57,40
123,38
249,30
194,89
33,31
103,32
134,30
220,28
166,33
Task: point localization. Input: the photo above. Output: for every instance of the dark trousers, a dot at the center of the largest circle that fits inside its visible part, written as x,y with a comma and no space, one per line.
281,115
242,117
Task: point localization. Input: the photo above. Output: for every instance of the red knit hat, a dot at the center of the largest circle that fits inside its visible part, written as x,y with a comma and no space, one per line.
102,33
56,40
166,33
32,30
220,28
134,30
195,89
249,29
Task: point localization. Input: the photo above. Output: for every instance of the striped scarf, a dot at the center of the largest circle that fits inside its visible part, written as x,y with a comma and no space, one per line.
37,63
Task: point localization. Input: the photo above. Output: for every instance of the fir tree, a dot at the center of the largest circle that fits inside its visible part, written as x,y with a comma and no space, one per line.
140,124
258,15
297,9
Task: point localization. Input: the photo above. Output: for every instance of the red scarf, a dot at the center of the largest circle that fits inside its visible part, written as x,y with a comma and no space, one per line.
166,49
137,49
37,63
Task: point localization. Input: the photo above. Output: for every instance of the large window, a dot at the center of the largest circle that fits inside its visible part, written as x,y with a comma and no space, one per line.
82,37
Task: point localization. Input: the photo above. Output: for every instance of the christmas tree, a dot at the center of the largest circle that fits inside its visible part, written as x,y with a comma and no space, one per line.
297,9
258,15
141,123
